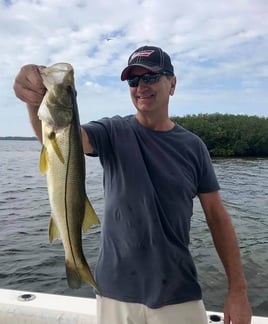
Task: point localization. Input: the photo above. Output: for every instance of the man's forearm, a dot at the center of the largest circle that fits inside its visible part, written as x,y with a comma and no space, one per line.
35,121
227,247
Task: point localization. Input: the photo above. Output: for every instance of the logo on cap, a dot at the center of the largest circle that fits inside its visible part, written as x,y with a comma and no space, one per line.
145,53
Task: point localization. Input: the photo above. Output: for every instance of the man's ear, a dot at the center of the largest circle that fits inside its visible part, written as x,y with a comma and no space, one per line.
173,86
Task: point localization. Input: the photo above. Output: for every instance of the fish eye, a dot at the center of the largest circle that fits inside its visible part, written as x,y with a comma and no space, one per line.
51,135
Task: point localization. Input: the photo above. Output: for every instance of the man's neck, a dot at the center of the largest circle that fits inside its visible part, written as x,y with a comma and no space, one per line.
158,124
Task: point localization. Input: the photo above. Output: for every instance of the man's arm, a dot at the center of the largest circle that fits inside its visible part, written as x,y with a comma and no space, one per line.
87,146
35,121
237,308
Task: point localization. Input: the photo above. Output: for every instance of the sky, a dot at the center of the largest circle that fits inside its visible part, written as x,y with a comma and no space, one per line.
219,50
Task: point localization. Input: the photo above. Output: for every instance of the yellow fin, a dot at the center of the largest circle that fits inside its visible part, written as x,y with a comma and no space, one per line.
53,232
90,217
53,140
43,161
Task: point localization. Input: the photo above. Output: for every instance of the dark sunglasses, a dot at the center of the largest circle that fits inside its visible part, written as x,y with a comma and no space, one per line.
149,78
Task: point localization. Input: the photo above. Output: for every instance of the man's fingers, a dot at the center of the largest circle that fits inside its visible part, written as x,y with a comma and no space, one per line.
29,86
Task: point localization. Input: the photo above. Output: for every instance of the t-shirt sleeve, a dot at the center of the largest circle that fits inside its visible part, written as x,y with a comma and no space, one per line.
98,134
208,180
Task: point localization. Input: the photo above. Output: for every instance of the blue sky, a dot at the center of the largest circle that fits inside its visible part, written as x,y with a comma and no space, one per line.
219,50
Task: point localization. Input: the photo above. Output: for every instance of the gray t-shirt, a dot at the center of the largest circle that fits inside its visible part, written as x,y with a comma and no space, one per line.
150,180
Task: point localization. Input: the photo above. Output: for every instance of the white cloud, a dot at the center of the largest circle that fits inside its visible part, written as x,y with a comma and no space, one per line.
219,50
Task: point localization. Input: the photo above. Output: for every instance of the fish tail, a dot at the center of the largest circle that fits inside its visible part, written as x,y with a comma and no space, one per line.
87,276
76,275
73,276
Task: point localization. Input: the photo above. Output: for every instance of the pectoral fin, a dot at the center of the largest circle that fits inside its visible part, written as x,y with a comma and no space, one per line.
53,232
43,161
53,141
90,217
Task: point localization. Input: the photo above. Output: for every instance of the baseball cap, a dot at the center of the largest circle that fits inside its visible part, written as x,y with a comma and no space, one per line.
150,57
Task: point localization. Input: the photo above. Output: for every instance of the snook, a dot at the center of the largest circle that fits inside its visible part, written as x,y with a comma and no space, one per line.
62,158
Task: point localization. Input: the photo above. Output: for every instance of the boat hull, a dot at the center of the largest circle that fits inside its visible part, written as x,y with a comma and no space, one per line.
19,307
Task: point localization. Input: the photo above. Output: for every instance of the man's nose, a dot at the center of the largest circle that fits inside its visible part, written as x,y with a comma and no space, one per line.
142,84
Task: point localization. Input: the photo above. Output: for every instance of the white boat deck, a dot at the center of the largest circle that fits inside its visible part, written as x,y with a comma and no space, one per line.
22,307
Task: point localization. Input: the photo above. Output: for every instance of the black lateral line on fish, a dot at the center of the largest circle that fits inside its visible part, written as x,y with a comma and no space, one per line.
65,202
71,90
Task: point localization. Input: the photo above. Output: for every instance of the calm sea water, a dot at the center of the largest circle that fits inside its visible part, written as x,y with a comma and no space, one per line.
29,262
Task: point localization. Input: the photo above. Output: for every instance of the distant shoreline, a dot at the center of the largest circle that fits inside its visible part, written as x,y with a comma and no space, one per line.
18,138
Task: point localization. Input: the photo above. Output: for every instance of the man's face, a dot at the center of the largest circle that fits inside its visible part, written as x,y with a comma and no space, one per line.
152,98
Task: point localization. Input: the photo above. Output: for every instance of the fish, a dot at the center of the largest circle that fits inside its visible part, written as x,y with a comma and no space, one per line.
62,160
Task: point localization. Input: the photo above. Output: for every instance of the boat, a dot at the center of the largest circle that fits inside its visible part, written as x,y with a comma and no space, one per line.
24,307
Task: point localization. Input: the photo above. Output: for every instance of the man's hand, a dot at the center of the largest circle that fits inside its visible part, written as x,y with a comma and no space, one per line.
237,309
29,85
29,88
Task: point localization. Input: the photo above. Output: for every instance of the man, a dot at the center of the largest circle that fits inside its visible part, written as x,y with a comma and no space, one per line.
153,169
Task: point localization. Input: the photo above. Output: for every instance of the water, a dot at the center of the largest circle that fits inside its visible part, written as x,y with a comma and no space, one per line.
29,262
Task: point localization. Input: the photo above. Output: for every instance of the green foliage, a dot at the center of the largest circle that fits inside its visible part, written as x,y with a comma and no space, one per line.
229,135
